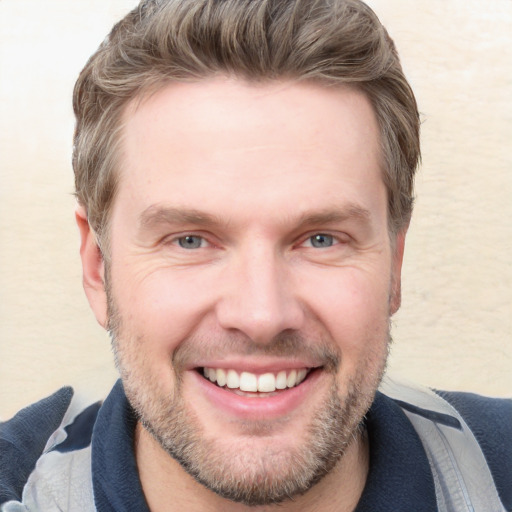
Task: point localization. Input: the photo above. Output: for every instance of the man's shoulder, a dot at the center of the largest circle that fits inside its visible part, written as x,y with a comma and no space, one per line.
479,410
467,439
490,420
486,416
38,439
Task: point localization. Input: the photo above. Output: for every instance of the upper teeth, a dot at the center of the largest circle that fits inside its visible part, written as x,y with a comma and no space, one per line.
246,381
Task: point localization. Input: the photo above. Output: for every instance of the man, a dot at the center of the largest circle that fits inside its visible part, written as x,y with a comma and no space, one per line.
244,172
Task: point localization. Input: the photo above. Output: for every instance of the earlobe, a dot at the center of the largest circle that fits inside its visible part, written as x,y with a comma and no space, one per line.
396,271
93,267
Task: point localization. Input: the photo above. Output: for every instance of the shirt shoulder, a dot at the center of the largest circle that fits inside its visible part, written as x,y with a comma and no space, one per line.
490,420
59,424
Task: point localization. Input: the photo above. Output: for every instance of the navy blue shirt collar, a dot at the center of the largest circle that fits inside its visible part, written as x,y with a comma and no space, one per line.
116,483
399,479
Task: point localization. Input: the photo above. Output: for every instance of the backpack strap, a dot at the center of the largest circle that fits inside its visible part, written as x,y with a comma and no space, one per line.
54,439
462,477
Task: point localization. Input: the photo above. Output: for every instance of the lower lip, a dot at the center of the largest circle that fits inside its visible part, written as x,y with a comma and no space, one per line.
257,407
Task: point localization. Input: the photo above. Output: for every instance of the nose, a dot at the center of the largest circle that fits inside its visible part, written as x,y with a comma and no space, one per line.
258,296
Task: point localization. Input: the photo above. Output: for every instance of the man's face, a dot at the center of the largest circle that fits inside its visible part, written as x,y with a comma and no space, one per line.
249,243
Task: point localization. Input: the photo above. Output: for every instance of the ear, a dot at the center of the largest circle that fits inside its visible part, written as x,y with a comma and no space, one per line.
396,270
93,267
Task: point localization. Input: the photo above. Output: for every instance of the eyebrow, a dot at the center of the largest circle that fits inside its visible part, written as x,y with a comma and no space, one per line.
159,215
335,215
156,215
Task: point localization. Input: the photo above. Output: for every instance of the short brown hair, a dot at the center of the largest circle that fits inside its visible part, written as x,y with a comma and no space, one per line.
324,41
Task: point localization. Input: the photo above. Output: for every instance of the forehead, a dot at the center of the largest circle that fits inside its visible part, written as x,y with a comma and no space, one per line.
226,143
308,111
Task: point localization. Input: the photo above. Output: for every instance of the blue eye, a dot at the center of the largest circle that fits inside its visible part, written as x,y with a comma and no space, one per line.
190,242
321,240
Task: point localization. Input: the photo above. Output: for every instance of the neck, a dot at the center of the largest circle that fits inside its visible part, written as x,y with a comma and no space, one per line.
168,487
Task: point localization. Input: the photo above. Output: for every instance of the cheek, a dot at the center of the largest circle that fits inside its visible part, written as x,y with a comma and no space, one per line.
353,305
163,306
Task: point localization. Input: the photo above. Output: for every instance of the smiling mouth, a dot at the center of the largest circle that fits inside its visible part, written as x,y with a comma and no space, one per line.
251,384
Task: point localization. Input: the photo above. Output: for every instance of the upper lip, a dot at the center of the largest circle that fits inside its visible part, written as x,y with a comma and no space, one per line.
259,366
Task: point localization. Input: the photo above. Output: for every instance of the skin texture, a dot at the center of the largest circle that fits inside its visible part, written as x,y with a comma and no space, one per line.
253,173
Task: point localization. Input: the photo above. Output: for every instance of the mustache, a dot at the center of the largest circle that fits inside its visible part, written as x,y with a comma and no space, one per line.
320,351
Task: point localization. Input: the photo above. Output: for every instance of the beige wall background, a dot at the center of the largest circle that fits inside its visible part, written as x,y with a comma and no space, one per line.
454,330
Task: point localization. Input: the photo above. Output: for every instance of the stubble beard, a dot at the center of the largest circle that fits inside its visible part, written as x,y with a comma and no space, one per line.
249,470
